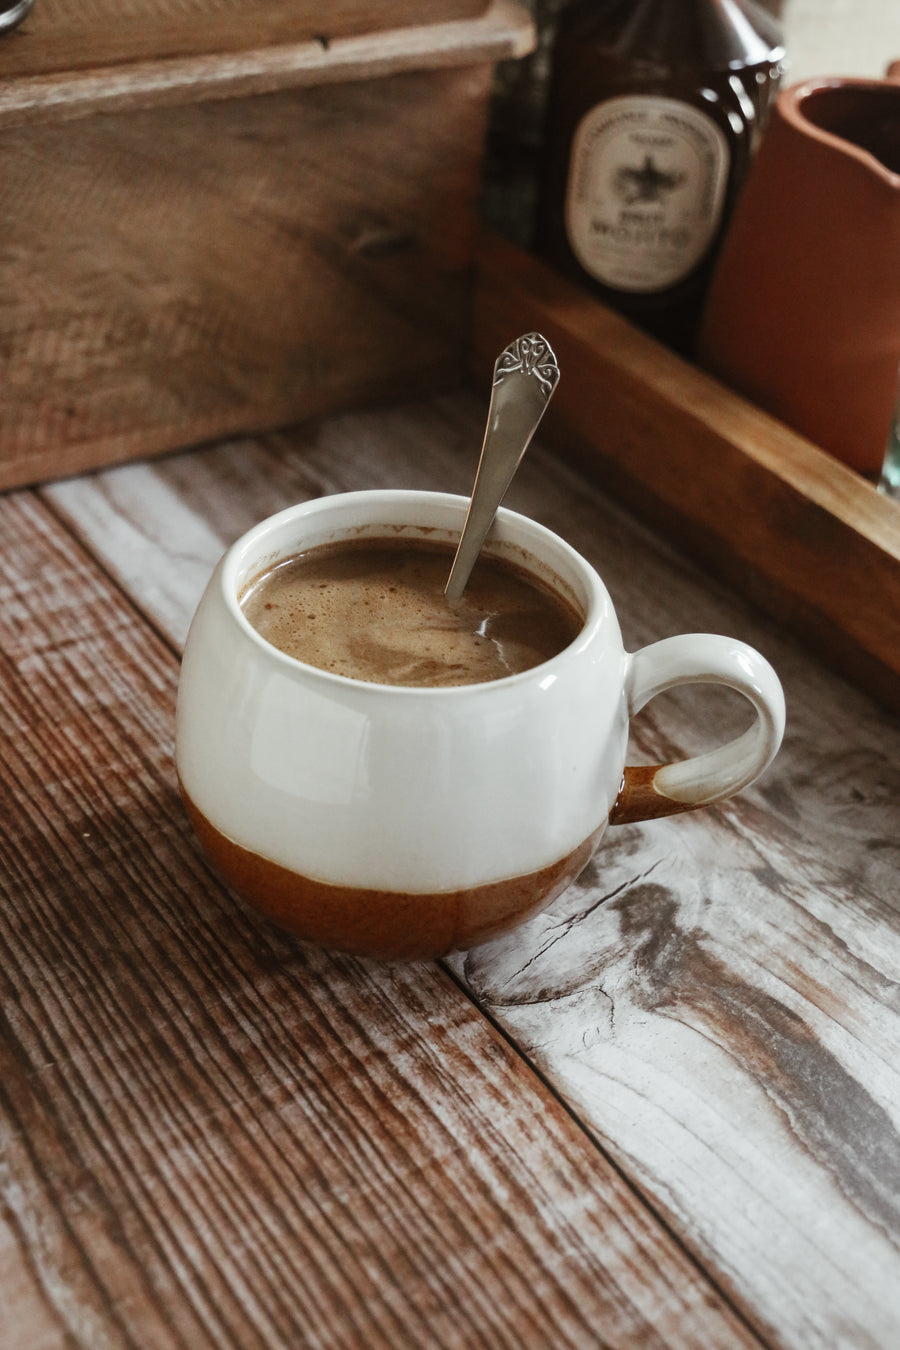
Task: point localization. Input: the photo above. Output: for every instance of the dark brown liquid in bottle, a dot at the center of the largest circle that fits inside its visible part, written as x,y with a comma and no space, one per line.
637,211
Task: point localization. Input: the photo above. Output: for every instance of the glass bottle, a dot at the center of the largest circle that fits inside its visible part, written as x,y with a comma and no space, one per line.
654,111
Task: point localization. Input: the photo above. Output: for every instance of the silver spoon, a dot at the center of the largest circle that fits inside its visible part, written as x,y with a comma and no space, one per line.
525,376
12,12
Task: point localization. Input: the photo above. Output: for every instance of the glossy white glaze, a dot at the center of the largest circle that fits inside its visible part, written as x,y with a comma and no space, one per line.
697,658
426,789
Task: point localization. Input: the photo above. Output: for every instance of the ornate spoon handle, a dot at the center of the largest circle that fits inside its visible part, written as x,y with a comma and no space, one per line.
525,376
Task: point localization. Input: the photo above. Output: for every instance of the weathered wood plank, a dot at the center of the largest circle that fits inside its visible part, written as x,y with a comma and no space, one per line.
211,1138
717,997
175,274
64,36
103,61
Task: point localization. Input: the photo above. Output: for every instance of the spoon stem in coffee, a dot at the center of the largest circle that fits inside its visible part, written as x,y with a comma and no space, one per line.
525,376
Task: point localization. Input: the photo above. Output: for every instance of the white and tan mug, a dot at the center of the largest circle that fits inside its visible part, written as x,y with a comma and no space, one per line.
410,822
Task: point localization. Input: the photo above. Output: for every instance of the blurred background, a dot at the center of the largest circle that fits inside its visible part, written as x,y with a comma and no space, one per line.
822,37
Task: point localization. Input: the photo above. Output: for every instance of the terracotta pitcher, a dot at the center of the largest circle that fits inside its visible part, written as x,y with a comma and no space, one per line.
803,314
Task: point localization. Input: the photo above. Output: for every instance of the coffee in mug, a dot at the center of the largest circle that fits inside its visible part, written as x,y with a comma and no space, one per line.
412,819
374,609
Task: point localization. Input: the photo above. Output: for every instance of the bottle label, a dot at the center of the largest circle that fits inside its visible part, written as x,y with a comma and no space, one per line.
645,193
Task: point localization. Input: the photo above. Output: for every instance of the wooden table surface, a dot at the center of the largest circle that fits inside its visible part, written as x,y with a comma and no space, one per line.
663,1113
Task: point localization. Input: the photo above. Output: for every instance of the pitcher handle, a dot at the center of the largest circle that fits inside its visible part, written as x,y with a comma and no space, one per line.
650,791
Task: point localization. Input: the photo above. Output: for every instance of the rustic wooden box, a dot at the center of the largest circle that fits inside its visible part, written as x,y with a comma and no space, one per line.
782,521
225,217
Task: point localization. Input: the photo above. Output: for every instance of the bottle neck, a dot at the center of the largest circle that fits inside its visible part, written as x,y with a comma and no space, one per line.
681,34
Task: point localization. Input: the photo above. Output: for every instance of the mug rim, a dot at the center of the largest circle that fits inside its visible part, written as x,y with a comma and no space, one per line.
596,610
793,104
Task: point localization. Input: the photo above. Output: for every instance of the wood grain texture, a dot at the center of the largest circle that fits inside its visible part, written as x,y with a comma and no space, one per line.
212,1138
170,275
64,36
111,63
788,525
716,998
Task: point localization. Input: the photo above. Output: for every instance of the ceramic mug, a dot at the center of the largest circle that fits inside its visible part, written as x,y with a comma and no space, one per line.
803,311
409,822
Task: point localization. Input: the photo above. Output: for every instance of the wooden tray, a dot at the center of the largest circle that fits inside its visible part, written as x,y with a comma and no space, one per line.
800,534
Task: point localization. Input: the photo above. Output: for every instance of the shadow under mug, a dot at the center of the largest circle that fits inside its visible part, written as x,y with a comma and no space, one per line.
410,822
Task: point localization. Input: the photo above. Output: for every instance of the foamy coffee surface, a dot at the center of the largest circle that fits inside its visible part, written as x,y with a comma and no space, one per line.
374,610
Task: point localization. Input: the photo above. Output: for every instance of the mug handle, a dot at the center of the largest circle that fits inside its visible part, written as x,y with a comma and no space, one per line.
653,790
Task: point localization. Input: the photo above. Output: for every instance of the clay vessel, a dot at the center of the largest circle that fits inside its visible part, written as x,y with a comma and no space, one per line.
803,313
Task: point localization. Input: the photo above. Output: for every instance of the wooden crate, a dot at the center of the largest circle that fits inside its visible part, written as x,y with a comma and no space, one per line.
226,218
796,531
